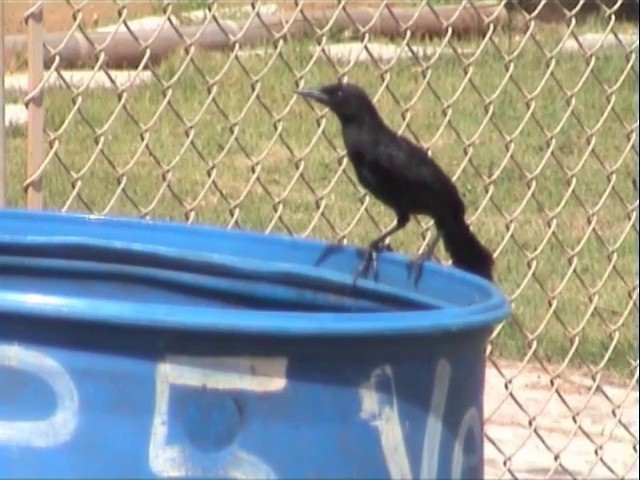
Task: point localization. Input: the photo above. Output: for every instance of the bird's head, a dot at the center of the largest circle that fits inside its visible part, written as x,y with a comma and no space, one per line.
348,101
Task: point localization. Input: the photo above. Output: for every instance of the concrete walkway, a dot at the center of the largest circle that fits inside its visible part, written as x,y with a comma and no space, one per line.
605,445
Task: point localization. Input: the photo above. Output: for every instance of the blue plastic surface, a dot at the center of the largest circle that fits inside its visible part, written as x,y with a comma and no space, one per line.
138,349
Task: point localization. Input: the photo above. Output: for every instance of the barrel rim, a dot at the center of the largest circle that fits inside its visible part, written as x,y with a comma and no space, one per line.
490,310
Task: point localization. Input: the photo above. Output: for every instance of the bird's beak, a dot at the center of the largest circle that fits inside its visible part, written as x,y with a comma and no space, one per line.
314,94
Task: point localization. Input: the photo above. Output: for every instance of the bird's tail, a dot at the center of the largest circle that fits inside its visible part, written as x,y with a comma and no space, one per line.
465,249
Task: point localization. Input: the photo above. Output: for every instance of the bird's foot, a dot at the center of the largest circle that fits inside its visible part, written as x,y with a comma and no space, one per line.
415,268
385,247
370,261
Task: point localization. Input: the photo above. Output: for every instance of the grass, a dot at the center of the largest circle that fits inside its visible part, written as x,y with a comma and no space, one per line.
551,192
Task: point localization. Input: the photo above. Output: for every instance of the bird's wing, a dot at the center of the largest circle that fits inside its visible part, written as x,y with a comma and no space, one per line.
409,162
415,173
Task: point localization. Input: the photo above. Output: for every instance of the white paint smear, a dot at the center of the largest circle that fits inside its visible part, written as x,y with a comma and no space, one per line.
382,412
433,432
264,374
386,419
471,421
226,373
59,427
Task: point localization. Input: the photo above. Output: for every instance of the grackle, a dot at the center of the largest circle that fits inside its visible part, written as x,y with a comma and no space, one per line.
404,177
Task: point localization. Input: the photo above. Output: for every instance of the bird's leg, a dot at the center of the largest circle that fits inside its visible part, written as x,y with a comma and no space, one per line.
416,263
375,244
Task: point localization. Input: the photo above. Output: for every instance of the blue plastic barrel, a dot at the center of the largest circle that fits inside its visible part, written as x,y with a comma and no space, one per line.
137,349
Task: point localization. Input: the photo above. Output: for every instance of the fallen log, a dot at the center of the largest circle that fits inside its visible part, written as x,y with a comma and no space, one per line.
124,50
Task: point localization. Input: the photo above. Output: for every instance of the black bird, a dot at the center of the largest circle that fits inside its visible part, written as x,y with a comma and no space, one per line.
403,176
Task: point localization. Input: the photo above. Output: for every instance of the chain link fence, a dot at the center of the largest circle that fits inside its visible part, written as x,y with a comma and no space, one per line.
530,106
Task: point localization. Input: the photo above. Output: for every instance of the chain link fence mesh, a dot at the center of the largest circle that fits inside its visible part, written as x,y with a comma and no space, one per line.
193,117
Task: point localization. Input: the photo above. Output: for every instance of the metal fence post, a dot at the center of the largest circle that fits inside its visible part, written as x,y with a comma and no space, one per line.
33,100
637,185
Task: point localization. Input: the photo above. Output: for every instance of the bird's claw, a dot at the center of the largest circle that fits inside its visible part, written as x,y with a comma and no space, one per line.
415,267
385,247
370,260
